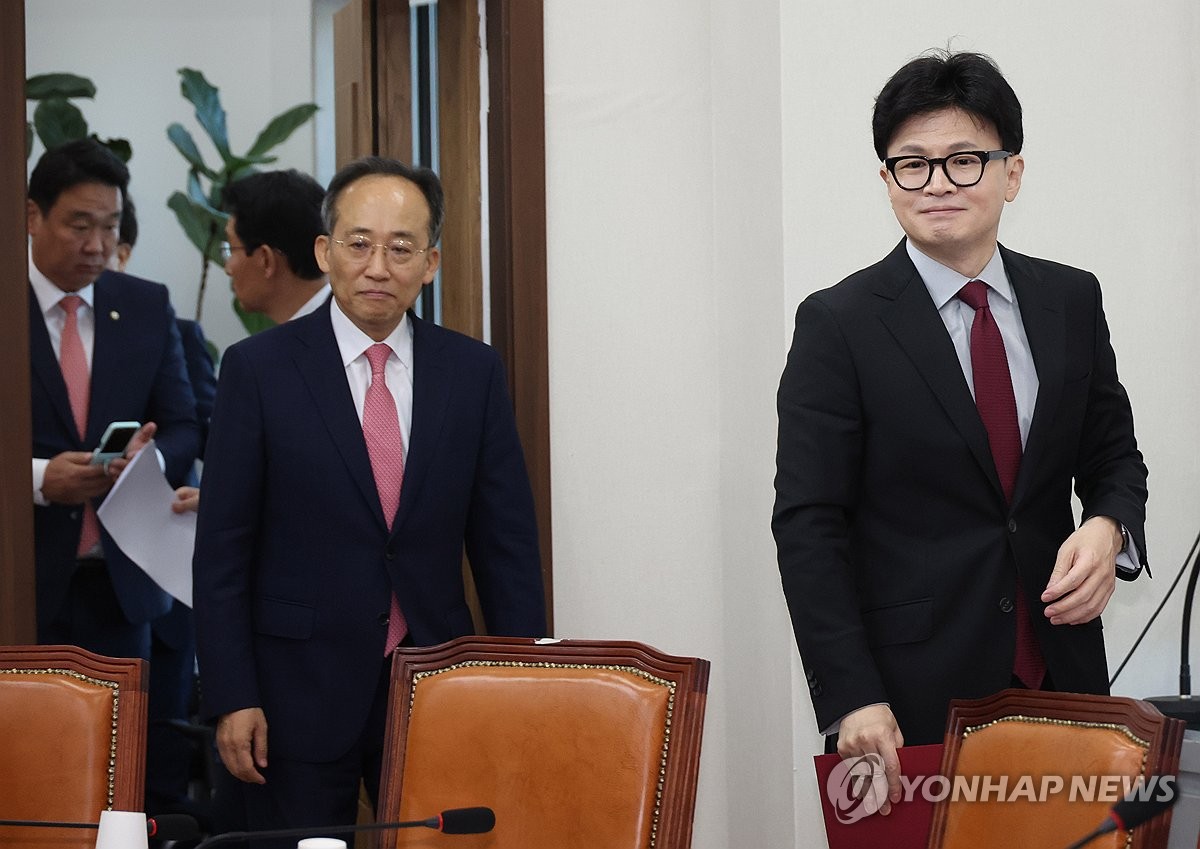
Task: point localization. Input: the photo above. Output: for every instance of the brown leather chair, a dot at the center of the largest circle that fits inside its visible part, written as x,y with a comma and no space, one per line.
1078,738
571,743
72,741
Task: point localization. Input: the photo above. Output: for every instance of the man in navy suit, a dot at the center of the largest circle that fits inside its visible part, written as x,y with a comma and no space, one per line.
303,582
929,441
123,331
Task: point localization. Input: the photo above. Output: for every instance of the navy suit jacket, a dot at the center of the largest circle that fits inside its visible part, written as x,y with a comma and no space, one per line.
294,565
898,552
137,374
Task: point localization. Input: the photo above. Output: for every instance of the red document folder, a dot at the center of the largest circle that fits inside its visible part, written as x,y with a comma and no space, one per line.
906,827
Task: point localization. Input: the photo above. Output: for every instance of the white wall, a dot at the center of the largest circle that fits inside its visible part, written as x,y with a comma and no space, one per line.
665,232
258,54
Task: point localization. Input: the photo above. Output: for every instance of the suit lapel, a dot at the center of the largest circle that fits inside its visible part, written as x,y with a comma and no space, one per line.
431,397
914,322
319,362
45,369
1043,314
107,351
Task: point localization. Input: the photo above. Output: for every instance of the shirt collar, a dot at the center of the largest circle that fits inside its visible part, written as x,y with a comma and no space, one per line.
944,283
48,294
352,342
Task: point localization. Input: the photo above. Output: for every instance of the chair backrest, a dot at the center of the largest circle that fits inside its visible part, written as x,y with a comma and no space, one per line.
571,742
1027,768
72,741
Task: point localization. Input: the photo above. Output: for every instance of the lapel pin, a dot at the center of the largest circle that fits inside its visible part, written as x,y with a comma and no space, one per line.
114,315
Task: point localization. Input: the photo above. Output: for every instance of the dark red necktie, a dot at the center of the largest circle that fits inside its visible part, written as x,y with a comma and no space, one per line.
998,409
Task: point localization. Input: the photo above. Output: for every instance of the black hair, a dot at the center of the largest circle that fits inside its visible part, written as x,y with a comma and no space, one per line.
426,180
280,209
73,164
939,80
128,233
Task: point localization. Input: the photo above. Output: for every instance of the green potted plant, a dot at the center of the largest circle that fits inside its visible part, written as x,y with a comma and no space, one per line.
198,209
56,120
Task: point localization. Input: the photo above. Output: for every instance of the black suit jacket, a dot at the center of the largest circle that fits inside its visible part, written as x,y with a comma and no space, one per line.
898,553
137,374
294,564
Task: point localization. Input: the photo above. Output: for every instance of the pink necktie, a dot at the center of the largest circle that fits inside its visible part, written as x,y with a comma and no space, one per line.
998,409
73,362
76,375
381,429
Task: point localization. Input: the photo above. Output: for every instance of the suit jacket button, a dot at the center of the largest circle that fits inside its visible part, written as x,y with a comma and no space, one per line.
383,619
389,554
1012,526
1006,605
74,515
814,688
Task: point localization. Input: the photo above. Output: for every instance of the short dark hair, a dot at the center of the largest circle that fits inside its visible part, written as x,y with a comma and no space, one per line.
280,209
939,80
426,180
128,233
73,164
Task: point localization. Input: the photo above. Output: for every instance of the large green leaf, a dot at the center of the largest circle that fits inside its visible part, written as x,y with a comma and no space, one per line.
28,140
57,122
186,145
281,126
120,147
46,86
209,112
254,322
201,226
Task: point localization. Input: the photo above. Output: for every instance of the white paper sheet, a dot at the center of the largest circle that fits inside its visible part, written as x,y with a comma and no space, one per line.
138,515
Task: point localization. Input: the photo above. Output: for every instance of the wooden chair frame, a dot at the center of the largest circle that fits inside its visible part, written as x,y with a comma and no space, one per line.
127,679
1162,738
686,678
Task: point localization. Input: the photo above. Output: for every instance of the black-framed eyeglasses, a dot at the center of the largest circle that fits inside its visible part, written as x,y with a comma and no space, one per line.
963,169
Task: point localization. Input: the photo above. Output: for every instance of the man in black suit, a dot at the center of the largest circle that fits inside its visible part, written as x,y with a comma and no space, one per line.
123,346
353,454
929,440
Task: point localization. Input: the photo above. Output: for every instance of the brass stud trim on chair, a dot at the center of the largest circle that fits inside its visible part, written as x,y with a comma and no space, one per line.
1045,720
629,670
116,711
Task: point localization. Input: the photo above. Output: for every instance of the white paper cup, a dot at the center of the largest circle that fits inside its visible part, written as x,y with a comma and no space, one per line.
321,843
121,830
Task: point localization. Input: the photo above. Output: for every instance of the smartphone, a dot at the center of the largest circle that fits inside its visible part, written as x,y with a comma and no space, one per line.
115,441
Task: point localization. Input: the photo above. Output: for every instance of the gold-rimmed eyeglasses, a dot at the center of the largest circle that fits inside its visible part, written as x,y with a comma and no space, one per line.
360,249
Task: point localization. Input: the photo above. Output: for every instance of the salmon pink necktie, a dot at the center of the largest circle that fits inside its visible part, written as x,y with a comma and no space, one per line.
73,362
385,445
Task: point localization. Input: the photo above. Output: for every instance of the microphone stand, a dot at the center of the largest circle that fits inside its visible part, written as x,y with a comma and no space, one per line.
1184,706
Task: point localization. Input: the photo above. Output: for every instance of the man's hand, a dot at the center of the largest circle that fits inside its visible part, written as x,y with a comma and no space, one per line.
242,743
72,479
186,498
136,443
1085,573
874,729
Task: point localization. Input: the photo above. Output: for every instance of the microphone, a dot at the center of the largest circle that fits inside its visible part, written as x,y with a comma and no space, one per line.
165,827
452,821
1129,814
1184,706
